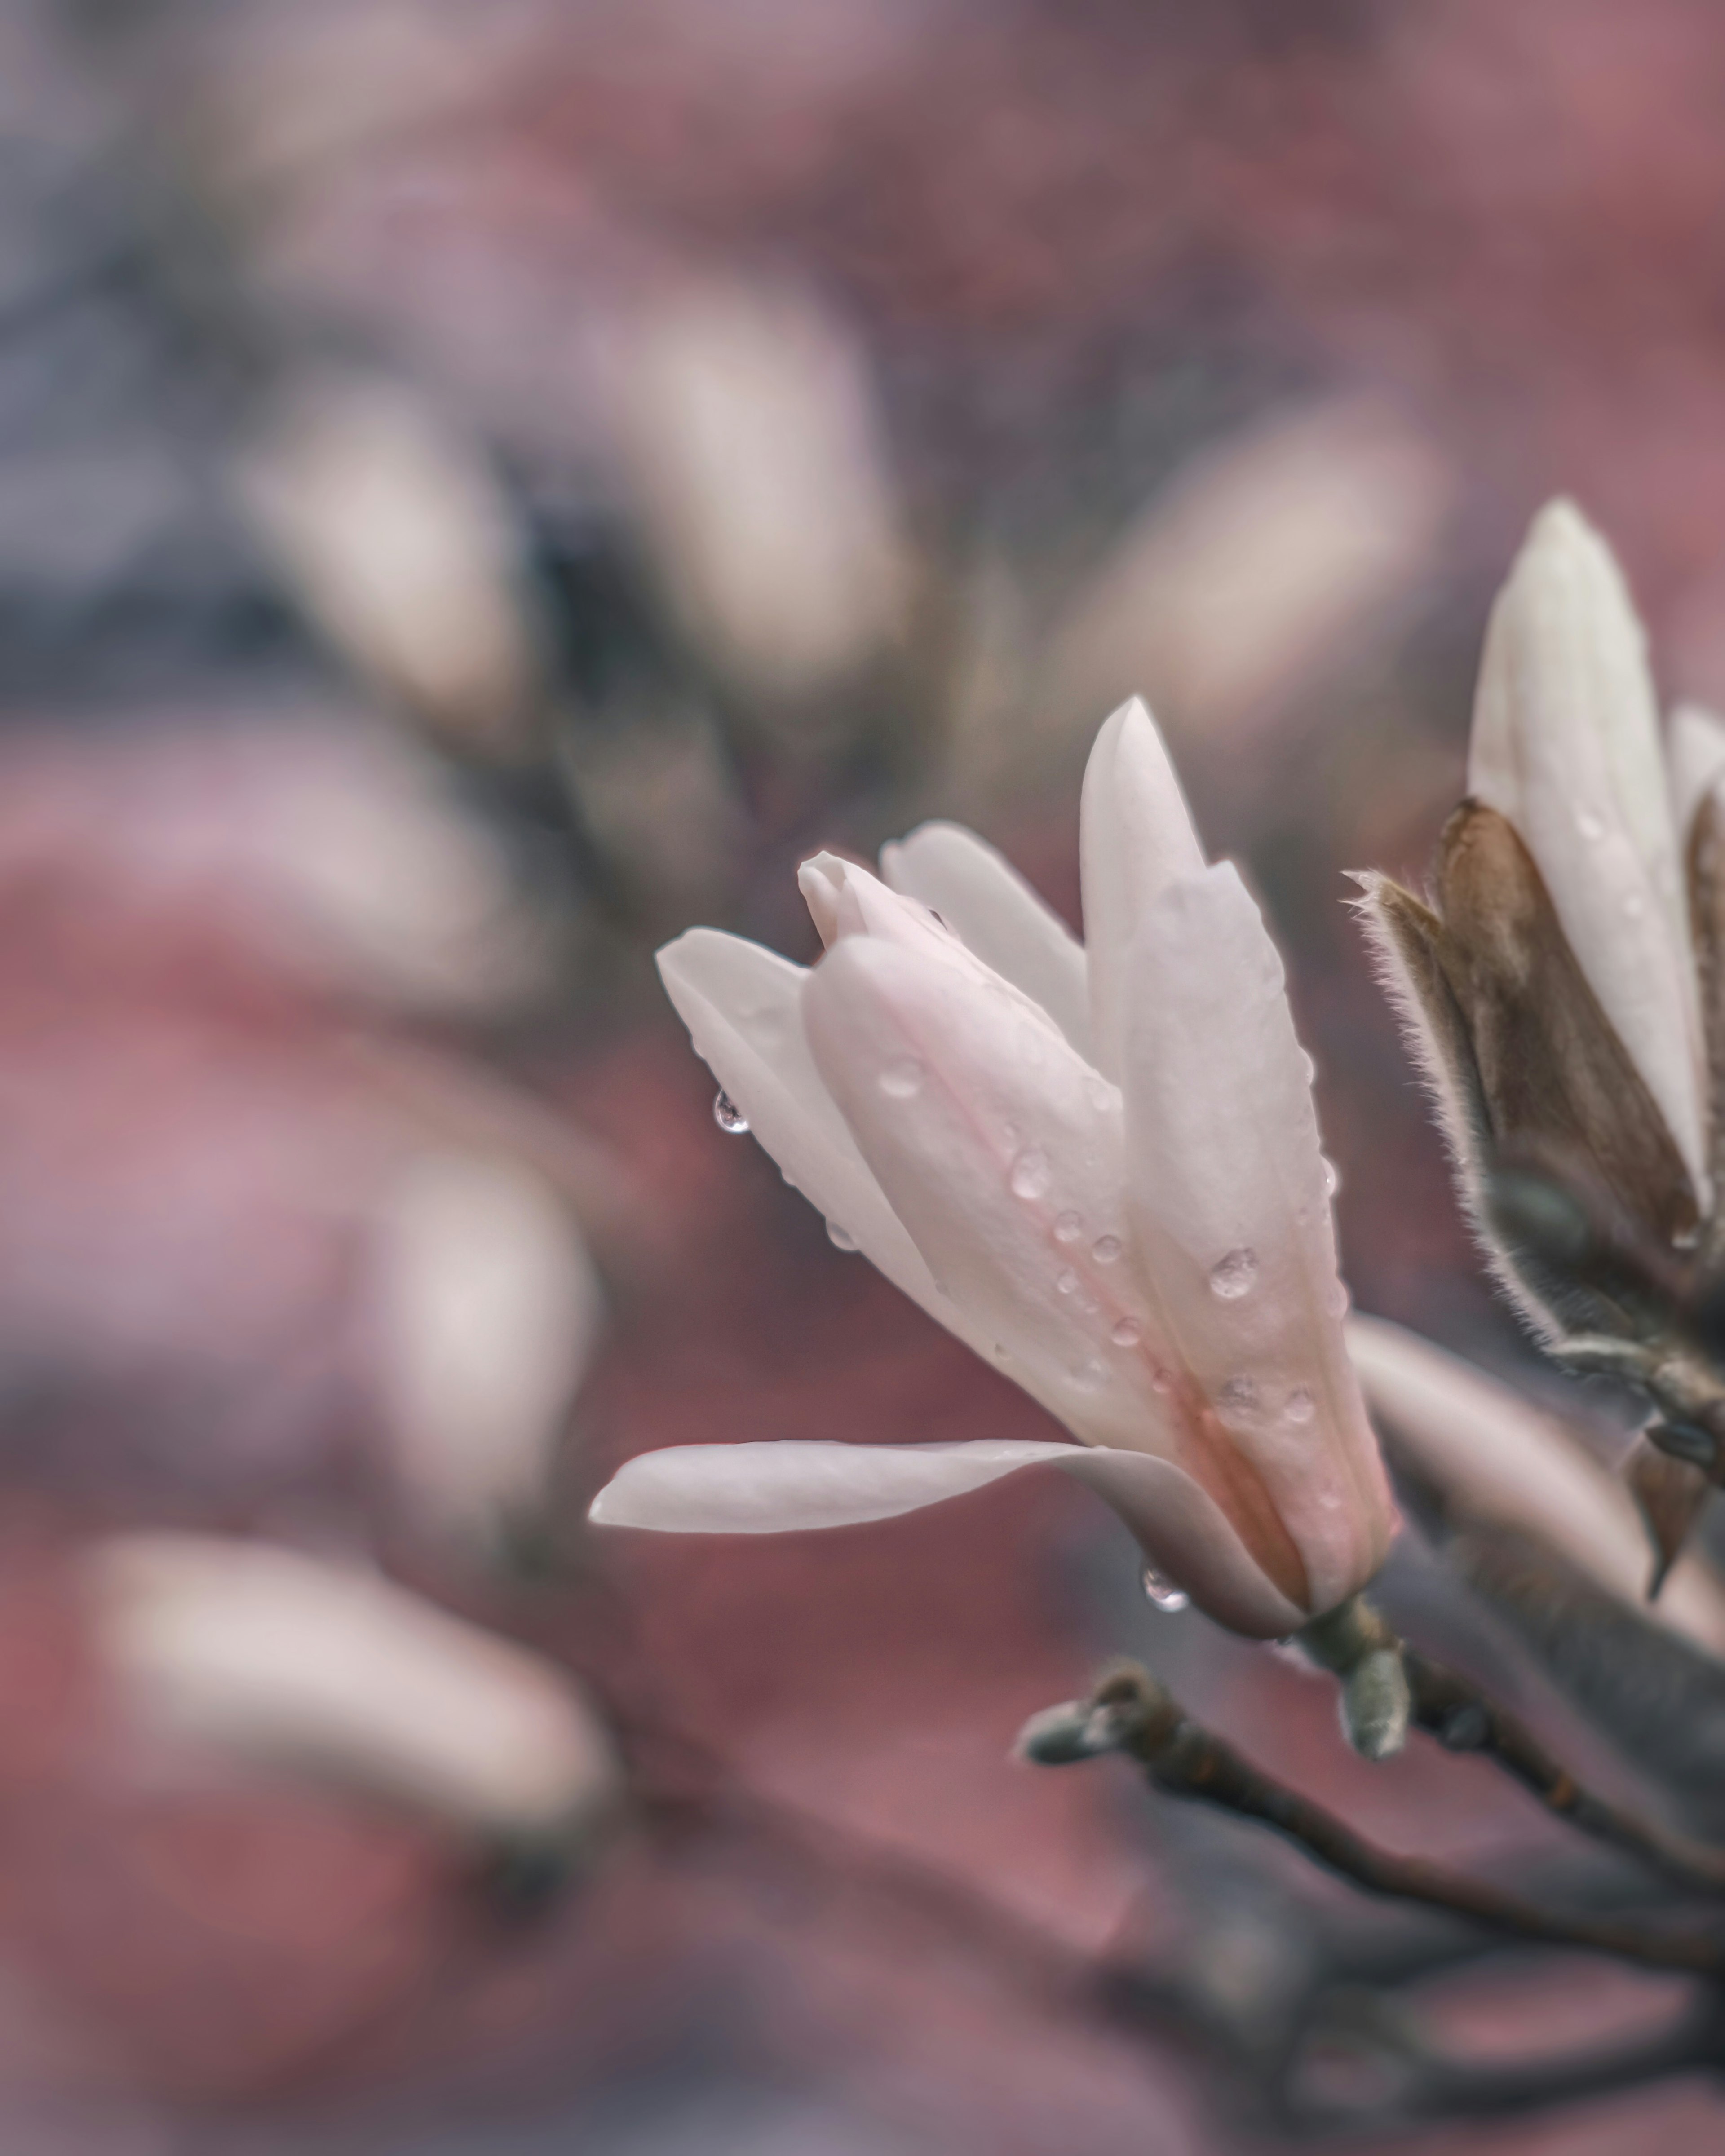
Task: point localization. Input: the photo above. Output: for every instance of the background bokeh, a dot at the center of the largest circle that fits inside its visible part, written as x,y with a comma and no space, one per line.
481,488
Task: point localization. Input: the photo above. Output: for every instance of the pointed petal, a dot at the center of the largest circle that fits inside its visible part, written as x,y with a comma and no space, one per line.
1695,751
1566,745
1558,1081
820,879
1671,1494
985,901
1135,837
742,1004
999,1148
789,1485
1490,1455
1231,1210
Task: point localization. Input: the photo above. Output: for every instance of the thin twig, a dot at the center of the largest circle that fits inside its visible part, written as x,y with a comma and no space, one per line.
1130,1712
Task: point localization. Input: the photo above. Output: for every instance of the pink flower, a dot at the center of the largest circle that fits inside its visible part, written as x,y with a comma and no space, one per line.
1097,1164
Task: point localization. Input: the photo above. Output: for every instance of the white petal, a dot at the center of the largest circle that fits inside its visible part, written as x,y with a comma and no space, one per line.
1566,744
984,901
742,1004
999,1148
1228,1200
784,1485
820,879
290,1660
1135,837
1494,1455
1695,751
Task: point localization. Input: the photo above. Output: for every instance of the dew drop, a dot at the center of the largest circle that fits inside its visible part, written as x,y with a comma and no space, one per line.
1162,1594
1069,1227
1090,1377
729,1117
1162,1380
1238,1394
1031,1174
1588,825
1105,1249
1308,1066
841,1238
1067,1282
1332,1178
1299,1407
902,1078
1002,1353
1232,1277
1127,1333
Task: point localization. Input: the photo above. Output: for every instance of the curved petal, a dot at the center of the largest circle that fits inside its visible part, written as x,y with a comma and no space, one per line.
985,901
1695,751
999,1148
1565,744
1229,1208
1492,1454
1135,837
788,1485
742,1004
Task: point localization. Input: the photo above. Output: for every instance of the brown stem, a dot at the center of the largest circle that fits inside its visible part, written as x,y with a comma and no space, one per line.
1184,1759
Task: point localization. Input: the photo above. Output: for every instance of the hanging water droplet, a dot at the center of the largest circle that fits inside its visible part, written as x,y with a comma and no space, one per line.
1588,825
729,1117
1162,1594
1332,1178
1069,1227
1238,1395
902,1078
1031,1174
1308,1067
1232,1277
1299,1407
1066,1282
1105,1249
841,1238
1127,1333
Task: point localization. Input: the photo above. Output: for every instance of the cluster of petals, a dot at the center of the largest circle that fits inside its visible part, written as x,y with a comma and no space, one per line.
1097,1164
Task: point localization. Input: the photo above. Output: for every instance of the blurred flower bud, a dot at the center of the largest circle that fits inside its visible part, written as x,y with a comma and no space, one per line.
490,1310
395,537
302,1665
752,458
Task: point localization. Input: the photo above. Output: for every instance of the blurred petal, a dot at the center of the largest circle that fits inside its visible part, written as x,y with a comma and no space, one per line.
999,1148
288,1661
1230,1211
788,1485
1695,751
742,1005
987,903
1566,744
1490,1457
1135,838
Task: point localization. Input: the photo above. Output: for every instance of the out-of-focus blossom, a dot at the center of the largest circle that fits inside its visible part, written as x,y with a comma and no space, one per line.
394,535
490,1308
751,456
295,1663
1493,1459
1259,567
1098,1165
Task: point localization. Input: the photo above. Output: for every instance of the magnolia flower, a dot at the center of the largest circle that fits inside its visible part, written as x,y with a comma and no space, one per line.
1565,994
1098,1165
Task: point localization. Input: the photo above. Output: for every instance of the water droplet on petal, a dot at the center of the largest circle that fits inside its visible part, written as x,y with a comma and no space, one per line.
1030,1175
1332,1178
1588,825
1238,1395
1308,1067
1299,1407
841,1238
902,1078
1162,1380
1232,1277
1069,1227
1066,1282
1090,1377
1127,1333
1003,1352
1105,1249
1162,1594
729,1117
